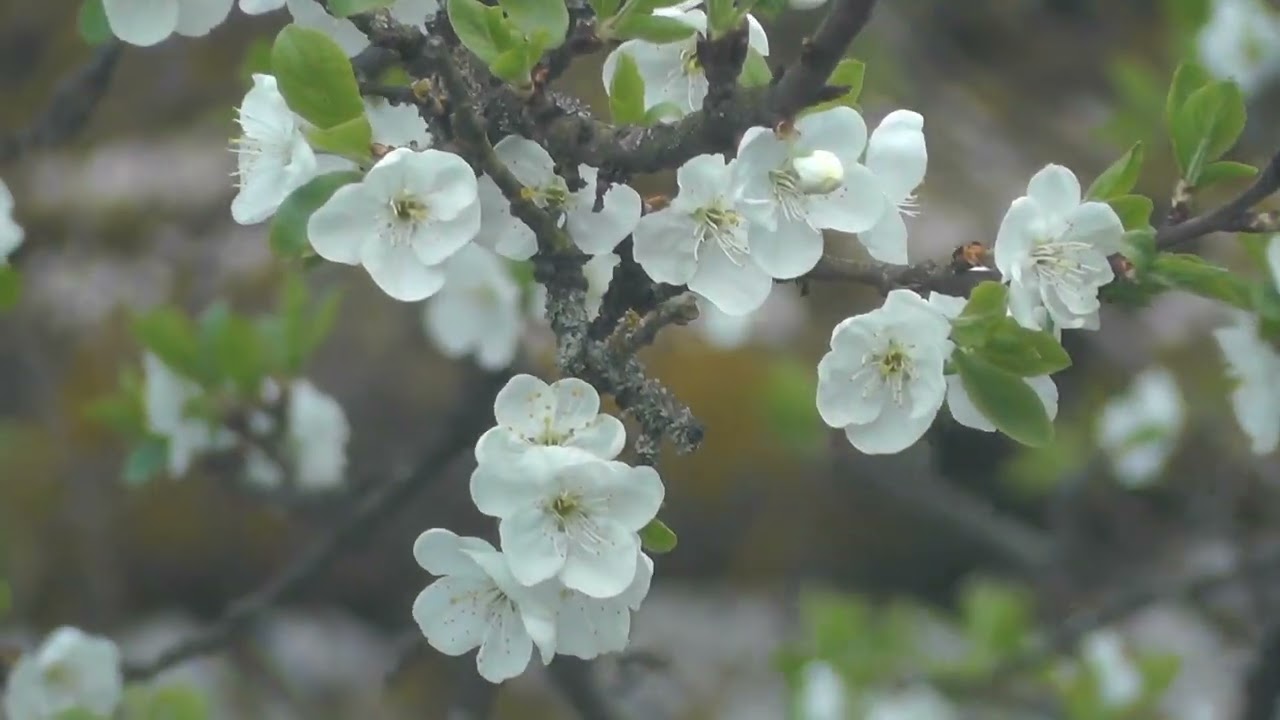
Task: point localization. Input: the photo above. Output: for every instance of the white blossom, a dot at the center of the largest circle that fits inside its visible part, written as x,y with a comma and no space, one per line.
802,181
397,125
1273,257
775,323
1052,249
1139,428
70,670
896,154
311,14
1119,681
317,437
963,410
918,702
593,232
11,233
532,414
701,238
671,71
258,7
477,603
565,513
598,272
1241,42
147,22
478,311
273,157
587,627
1254,365
883,379
412,211
165,397
822,693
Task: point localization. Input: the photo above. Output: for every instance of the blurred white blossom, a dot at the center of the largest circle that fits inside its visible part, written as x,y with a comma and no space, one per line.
11,233
1139,429
70,670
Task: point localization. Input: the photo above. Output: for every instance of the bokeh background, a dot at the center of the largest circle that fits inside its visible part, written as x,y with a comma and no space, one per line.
134,213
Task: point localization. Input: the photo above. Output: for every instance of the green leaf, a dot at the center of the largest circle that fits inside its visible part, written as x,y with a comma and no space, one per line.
347,8
1120,178
1196,275
92,22
301,330
849,73
514,65
755,71
170,334
653,28
1188,78
289,226
605,9
1225,171
540,16
662,111
122,409
1022,351
256,60
315,77
148,459
657,538
241,353
988,302
476,25
997,616
10,286
351,139
176,702
1134,210
626,92
78,714
1207,126
1139,247
1005,399
787,398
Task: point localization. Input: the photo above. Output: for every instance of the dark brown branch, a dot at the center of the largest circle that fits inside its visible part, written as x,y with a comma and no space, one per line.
1262,684
1234,216
70,107
804,80
370,511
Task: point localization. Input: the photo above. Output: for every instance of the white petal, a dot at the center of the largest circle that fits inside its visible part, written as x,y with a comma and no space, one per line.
309,13
962,407
840,130
893,431
499,229
525,404
896,153
587,627
757,38
398,271
258,7
789,251
664,244
435,242
141,22
886,240
452,614
501,489
1095,224
535,548
736,289
441,552
345,224
759,153
702,180
506,648
602,563
576,404
600,232
1019,231
845,393
854,207
603,436
397,125
527,160
631,495
1273,259
198,17
413,12
1056,189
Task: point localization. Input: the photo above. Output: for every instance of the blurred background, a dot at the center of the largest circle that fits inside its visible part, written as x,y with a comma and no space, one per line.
792,545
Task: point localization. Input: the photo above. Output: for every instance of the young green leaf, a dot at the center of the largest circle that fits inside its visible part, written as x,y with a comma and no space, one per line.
10,287
988,302
288,236
1022,351
1196,275
657,538
170,334
755,71
626,92
653,28
484,30
175,702
1120,178
1188,78
1225,171
92,22
1005,399
1134,210
347,8
315,77
351,139
661,112
849,73
514,66
545,16
604,9
147,460
1207,126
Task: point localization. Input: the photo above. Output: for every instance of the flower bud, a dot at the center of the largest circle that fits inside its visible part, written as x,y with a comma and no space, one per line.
819,172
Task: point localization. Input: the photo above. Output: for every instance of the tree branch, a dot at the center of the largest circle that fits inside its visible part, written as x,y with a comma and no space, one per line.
371,510
70,107
1234,216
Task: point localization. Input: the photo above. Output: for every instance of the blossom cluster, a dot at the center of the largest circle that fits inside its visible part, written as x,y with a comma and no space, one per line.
71,670
569,569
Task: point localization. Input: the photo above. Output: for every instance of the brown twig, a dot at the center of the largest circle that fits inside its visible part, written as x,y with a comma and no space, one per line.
1234,216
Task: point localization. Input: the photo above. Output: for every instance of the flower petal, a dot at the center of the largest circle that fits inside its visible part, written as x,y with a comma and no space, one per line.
1019,232
436,241
853,207
896,154
1094,224
602,563
525,404
596,233
502,487
886,240
506,648
839,130
665,246
527,160
141,22
587,627
396,269
501,231
198,17
603,436
441,552
1056,189
894,430
633,495
962,408
789,251
735,288
344,225
536,549
451,613
576,403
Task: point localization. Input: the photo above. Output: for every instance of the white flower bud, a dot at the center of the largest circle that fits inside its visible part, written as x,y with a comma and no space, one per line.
819,172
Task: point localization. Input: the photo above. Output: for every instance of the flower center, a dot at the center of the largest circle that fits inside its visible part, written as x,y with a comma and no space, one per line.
407,213
552,196
720,225
689,64
58,677
894,369
1060,263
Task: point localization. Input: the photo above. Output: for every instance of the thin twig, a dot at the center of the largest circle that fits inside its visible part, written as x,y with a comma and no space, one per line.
370,511
1231,217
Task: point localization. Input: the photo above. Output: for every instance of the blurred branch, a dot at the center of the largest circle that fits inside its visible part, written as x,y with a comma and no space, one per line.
1234,216
370,511
1262,684
575,681
70,107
